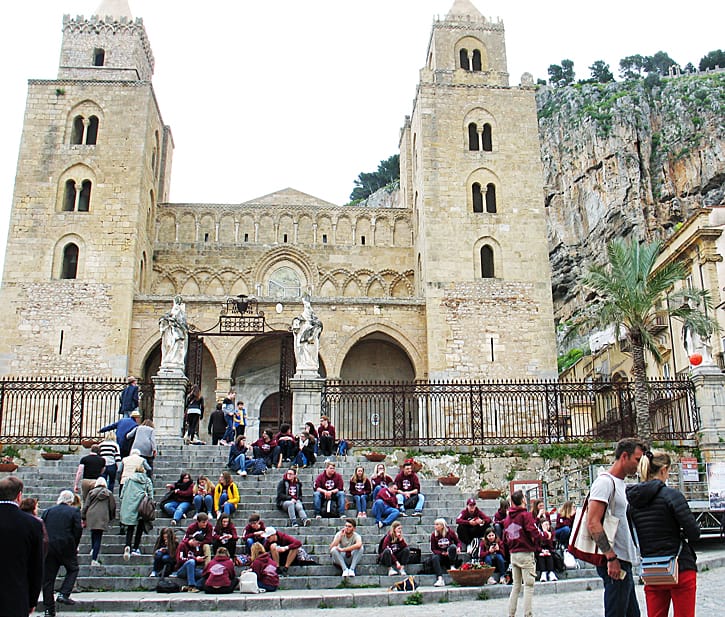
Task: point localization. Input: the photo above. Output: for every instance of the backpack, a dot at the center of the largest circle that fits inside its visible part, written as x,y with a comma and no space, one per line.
329,509
258,468
168,585
407,584
147,509
248,582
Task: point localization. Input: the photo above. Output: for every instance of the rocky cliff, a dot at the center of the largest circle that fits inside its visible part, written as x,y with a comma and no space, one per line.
626,158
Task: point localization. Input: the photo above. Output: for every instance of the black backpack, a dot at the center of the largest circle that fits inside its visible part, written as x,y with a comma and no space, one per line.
168,585
329,509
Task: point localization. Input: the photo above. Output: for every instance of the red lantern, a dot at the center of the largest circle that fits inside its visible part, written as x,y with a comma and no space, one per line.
696,359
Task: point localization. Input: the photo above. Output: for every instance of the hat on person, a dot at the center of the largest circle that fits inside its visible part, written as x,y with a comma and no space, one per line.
135,413
199,536
471,501
270,531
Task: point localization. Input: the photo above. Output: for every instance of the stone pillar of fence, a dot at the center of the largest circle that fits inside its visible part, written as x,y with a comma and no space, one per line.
306,401
710,397
169,393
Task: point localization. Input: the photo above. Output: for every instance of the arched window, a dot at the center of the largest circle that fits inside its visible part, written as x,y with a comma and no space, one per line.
84,199
69,268
477,197
487,262
92,132
486,138
76,136
490,198
476,59
99,57
69,196
463,54
472,136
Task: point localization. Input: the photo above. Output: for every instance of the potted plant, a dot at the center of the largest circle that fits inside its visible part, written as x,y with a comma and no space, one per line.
472,574
375,457
489,493
51,455
449,480
7,464
89,443
417,465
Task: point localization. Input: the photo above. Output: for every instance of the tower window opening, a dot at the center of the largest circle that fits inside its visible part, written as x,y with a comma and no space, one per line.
324,238
76,136
246,237
486,138
69,196
362,240
92,132
84,199
491,198
487,271
476,59
463,55
99,56
477,197
284,238
206,237
472,136
69,269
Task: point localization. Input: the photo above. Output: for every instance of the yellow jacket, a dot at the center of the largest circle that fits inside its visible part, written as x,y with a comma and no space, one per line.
232,495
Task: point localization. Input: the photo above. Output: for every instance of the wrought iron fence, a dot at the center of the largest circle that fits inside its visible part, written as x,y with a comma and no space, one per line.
423,413
62,410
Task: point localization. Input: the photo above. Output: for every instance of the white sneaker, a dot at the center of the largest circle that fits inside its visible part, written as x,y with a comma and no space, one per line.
239,472
95,562
402,572
351,572
553,577
392,572
345,573
439,582
243,473
127,553
492,580
543,577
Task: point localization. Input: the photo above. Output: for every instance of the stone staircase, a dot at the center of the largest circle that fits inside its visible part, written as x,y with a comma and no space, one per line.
257,495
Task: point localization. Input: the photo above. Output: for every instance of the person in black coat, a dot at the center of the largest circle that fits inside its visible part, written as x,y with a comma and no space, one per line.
665,526
63,523
22,570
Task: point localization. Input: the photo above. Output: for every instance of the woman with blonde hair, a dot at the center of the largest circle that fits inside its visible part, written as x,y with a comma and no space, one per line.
564,521
264,567
394,551
204,495
665,526
445,548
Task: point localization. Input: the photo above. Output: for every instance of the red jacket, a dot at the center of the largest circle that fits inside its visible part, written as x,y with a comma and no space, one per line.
465,517
194,527
521,533
284,539
439,544
407,483
329,484
387,497
266,570
219,572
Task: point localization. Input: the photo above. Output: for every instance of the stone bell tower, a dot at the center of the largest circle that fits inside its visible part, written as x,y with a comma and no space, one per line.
471,171
95,158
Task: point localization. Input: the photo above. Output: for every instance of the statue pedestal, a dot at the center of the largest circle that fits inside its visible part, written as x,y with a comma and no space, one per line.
306,399
710,395
169,393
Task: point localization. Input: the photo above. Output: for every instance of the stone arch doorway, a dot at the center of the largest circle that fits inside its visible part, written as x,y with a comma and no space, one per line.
377,357
259,380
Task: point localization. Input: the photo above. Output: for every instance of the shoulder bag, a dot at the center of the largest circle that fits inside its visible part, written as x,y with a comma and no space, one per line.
581,543
663,570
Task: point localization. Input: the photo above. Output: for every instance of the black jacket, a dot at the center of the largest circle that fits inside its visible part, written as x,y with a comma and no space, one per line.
663,519
283,491
63,523
21,571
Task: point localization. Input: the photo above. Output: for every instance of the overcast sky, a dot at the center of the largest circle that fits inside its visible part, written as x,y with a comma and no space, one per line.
263,95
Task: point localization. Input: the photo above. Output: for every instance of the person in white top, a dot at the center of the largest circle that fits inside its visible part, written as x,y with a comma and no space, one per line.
619,595
347,548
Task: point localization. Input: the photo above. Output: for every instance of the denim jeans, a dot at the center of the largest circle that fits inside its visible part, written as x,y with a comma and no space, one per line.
177,509
163,563
339,496
497,561
384,513
96,537
361,503
110,474
204,503
620,599
224,506
191,572
419,504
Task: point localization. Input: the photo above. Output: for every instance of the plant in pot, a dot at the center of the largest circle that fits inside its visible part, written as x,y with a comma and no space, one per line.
488,493
51,455
89,443
449,480
375,457
7,463
472,574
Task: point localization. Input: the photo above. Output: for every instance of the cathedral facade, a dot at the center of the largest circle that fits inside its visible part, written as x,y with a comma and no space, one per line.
447,279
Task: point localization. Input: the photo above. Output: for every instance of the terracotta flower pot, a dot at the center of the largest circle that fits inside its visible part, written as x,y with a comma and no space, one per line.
375,457
88,443
449,480
472,578
489,493
52,456
8,467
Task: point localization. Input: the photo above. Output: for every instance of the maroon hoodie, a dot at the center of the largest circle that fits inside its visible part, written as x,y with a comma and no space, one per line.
521,533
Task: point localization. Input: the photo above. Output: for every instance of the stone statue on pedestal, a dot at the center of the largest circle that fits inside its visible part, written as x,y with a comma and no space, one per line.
307,328
174,336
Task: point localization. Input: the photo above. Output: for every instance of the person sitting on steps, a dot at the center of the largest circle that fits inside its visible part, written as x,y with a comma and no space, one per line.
282,547
409,495
329,485
346,548
394,552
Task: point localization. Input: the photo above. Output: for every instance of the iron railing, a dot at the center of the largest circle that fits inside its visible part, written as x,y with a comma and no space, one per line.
423,413
62,410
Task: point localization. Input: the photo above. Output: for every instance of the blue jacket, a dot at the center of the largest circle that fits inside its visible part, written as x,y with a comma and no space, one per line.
129,398
123,427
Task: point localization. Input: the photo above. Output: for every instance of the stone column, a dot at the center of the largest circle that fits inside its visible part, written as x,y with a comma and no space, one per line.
306,400
169,393
710,396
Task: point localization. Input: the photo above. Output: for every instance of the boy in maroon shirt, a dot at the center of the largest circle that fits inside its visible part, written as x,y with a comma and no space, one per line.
409,495
329,485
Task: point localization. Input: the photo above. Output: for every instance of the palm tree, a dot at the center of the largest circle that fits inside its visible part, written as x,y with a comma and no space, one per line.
630,298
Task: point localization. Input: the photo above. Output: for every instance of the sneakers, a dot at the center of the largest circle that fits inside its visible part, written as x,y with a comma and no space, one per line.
295,524
392,572
174,522
127,553
380,524
552,577
240,472
439,582
351,572
417,513
543,577
173,575
153,574
345,573
136,553
492,580
62,599
402,572
307,522
95,563
318,516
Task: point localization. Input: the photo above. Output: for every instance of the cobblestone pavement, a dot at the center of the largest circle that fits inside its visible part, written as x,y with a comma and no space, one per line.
710,603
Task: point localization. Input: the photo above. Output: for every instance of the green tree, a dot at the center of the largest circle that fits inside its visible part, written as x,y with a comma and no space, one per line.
630,298
660,63
561,75
633,67
713,59
600,72
367,183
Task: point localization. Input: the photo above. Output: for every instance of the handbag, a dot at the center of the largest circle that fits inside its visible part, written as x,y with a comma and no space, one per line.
248,582
661,570
581,543
570,562
407,584
147,509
